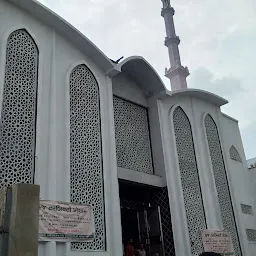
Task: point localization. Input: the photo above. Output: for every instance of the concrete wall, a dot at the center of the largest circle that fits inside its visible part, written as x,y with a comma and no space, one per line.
252,179
179,221
196,109
241,179
57,57
125,88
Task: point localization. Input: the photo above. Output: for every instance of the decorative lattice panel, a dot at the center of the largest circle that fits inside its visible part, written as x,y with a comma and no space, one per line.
189,179
160,198
133,148
234,154
246,209
251,235
18,117
85,151
221,181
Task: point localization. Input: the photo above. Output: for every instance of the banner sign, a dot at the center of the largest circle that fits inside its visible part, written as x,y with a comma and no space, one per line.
218,241
65,222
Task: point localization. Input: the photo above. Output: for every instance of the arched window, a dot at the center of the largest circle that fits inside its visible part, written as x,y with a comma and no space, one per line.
86,178
19,107
189,179
233,153
221,181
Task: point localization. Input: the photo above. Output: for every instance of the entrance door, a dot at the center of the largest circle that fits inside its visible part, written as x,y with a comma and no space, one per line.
150,231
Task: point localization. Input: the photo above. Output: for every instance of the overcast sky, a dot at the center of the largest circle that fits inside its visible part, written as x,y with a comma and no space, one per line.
218,42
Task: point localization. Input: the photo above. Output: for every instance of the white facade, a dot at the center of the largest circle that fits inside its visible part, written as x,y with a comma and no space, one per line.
157,158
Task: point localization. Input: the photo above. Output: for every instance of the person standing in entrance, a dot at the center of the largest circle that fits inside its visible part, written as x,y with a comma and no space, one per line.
141,251
123,248
129,250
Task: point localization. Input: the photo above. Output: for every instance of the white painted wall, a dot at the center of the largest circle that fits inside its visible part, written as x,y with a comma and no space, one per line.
141,177
57,57
240,178
127,89
156,139
252,179
196,109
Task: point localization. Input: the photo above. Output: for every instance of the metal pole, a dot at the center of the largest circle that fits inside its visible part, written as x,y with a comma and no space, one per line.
5,209
161,229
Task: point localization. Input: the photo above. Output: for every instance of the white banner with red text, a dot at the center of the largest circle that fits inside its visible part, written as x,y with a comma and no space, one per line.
65,222
218,241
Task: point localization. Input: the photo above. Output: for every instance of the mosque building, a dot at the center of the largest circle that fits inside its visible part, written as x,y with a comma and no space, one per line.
156,165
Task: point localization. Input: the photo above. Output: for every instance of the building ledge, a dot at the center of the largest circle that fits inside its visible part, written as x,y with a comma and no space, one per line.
195,93
140,177
167,10
179,70
172,40
229,117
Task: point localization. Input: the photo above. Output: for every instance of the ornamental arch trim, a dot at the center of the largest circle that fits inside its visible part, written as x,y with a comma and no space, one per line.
12,29
20,26
19,101
234,154
172,109
89,65
5,36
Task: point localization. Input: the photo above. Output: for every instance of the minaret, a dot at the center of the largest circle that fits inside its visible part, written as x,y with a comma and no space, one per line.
176,73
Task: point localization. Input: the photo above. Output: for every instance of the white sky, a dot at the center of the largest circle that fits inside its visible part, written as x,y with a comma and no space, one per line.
218,42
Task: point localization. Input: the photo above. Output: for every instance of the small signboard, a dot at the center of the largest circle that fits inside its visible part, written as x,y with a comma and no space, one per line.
65,222
218,241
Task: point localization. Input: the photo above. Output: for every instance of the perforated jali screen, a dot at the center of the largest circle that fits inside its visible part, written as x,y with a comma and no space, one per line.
86,175
189,179
18,117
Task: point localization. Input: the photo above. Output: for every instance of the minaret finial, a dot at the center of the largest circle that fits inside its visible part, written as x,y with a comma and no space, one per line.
177,73
166,3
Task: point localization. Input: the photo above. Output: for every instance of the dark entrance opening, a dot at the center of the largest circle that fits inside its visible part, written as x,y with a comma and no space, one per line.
145,218
129,225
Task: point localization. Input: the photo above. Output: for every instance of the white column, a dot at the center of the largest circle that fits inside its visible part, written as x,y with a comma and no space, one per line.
173,179
112,201
52,167
208,188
